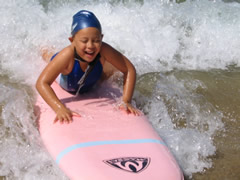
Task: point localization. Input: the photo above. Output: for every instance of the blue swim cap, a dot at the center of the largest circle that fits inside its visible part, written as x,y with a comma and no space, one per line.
84,19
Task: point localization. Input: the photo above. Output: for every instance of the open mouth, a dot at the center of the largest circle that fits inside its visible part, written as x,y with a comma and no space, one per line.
90,53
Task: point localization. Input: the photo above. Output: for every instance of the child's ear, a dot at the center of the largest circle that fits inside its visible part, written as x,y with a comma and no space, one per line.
70,39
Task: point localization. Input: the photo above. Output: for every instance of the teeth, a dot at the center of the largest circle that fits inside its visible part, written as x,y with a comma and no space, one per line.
90,52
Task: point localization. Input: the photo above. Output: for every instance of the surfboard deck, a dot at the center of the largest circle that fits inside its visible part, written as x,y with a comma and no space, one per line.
104,143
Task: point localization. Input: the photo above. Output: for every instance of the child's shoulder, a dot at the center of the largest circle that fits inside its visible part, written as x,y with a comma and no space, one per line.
64,54
105,45
48,54
67,51
106,48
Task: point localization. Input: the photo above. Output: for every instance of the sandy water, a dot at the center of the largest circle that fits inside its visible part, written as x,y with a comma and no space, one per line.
187,60
221,89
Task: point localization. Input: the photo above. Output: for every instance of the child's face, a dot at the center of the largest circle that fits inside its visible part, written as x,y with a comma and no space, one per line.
88,43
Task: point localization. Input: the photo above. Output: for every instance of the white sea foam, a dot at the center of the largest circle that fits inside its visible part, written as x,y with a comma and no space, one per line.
155,35
22,152
174,105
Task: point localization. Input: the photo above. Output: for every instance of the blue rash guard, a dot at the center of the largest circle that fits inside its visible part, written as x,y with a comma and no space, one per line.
70,82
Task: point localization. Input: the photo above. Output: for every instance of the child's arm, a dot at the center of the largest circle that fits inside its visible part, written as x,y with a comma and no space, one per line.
43,85
126,67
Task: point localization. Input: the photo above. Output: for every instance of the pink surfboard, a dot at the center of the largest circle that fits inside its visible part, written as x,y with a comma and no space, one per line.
104,143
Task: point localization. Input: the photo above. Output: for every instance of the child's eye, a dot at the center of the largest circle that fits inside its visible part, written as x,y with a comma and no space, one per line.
97,41
83,41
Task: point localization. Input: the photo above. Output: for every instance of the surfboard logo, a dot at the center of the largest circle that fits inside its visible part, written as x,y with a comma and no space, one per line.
129,164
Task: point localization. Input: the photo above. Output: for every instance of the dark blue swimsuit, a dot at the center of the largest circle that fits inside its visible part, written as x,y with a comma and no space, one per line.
70,82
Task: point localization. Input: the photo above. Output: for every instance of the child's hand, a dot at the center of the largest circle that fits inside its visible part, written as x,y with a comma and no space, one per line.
129,109
64,115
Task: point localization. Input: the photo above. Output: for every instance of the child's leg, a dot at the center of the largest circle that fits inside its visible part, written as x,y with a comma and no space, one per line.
46,54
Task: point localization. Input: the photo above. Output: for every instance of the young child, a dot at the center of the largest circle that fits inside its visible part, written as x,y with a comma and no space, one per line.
80,66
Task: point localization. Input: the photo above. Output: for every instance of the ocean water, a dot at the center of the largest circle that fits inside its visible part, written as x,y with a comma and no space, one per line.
188,63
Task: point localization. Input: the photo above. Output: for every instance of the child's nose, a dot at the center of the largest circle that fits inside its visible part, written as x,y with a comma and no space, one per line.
90,44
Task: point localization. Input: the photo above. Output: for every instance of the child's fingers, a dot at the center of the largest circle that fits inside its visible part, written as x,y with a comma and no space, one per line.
129,109
67,118
134,111
75,114
55,120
